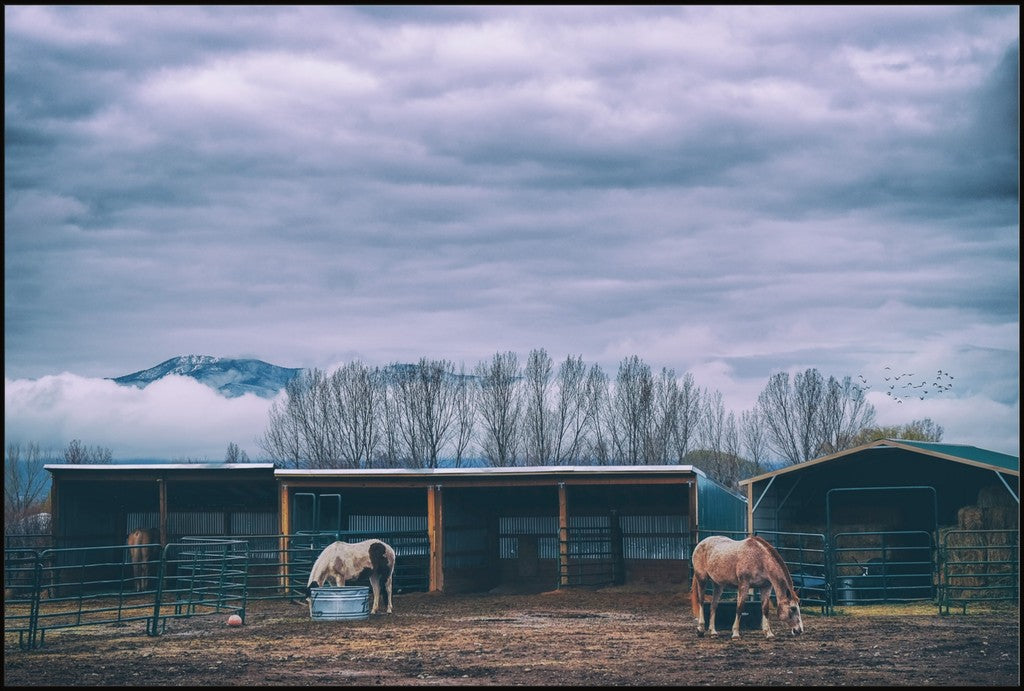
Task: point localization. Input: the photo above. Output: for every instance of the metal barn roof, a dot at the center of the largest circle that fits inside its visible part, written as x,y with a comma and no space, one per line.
958,453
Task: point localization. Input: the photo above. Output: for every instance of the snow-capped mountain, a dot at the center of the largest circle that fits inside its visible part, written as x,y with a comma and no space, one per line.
231,377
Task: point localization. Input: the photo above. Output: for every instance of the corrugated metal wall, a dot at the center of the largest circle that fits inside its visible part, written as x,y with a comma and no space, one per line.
718,509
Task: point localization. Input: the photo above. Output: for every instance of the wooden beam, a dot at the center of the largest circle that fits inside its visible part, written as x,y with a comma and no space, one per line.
435,532
284,518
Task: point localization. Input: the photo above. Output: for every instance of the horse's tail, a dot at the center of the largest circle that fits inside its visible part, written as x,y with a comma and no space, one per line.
382,566
696,596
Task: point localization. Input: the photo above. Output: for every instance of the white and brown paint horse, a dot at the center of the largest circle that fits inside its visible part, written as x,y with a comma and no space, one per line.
346,561
745,564
144,551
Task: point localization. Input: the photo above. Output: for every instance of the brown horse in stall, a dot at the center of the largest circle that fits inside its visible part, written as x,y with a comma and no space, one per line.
745,564
144,551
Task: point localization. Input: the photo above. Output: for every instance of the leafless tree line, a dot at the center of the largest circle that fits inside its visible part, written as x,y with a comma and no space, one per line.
503,413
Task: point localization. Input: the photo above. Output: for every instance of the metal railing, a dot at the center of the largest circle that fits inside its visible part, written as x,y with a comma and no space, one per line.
980,567
873,567
87,586
807,557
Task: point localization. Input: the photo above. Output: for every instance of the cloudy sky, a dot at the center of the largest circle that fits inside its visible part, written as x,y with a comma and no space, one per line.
726,192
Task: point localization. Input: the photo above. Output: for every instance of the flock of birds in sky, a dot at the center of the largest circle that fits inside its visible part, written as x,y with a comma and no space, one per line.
899,386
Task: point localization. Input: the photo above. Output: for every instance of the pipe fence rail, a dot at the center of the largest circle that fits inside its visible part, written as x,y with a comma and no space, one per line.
51,589
969,567
59,588
979,567
90,586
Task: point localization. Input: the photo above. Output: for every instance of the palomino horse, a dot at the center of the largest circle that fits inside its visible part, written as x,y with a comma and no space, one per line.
745,564
344,561
143,550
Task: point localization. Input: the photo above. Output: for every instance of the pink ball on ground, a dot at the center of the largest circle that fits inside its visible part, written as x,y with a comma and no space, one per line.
234,620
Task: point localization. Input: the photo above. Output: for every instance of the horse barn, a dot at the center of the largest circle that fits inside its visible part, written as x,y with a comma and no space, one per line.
454,529
894,519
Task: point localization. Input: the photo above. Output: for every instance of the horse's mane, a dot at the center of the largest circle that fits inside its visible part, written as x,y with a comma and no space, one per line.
779,562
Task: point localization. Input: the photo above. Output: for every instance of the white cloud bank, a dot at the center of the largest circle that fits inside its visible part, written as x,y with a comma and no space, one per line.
173,419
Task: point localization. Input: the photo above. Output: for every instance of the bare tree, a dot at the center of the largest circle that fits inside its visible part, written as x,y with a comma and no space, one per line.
689,406
664,419
357,394
754,440
538,425
465,415
26,484
791,414
406,408
575,410
391,442
630,411
733,465
845,411
77,452
283,438
425,398
712,436
500,408
439,388
598,395
235,455
298,432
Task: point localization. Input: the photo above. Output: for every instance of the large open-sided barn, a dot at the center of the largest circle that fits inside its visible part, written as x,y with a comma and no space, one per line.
462,529
892,507
887,485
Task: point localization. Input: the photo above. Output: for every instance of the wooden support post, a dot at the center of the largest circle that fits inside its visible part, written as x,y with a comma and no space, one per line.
435,532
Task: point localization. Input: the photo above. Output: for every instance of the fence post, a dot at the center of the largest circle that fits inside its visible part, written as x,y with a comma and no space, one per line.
618,560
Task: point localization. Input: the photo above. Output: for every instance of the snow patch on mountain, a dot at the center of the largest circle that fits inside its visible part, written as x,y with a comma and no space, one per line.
231,377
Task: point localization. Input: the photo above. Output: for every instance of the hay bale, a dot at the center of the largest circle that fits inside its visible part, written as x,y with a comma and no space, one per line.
979,565
1000,517
970,518
995,495
954,538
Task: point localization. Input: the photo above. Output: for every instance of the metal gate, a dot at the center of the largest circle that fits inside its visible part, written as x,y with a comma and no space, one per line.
878,566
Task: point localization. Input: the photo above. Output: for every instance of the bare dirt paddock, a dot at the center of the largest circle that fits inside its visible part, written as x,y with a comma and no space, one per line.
604,637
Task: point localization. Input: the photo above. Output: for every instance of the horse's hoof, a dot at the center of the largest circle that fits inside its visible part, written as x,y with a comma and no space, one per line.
700,633
735,635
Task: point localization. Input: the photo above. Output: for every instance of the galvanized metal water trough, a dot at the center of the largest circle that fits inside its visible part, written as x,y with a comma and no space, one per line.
333,604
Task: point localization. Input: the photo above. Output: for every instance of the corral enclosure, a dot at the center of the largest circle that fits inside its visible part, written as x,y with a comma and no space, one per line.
892,520
847,537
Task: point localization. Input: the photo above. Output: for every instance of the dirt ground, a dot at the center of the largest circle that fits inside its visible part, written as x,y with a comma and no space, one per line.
585,637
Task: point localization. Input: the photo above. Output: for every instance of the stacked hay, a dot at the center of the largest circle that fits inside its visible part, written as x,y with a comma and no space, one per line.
858,548
982,546
1000,511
